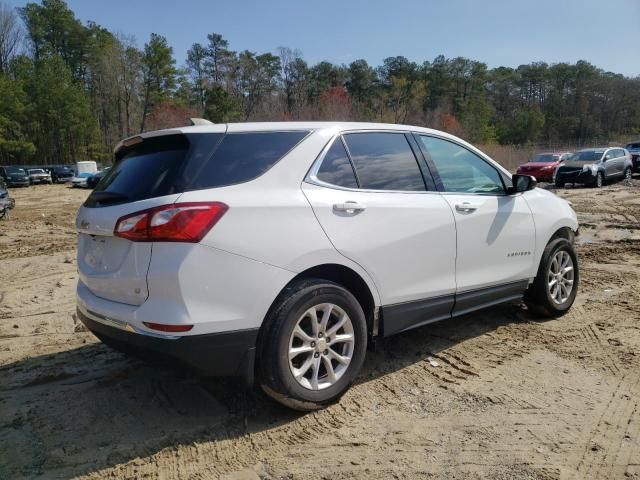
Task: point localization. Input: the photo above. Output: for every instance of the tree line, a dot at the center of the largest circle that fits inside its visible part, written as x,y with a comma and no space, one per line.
71,90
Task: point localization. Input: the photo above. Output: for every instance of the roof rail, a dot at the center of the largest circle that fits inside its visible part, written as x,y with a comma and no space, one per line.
200,121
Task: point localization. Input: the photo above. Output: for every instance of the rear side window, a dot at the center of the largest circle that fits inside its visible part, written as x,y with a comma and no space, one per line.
241,157
336,168
172,164
384,161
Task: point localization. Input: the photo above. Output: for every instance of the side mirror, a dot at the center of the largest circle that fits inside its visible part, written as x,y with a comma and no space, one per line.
522,183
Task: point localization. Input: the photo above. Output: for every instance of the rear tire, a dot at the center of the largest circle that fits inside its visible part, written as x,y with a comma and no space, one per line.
559,184
541,297
320,373
627,175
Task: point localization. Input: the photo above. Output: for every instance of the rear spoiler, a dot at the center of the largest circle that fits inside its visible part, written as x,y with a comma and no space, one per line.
127,142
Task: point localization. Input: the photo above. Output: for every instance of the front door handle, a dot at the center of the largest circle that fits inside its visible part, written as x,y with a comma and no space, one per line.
349,207
466,207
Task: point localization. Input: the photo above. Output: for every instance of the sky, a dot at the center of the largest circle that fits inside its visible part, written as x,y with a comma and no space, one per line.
497,32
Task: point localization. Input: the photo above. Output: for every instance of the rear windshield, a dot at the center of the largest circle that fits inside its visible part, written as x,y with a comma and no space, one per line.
587,155
545,157
172,164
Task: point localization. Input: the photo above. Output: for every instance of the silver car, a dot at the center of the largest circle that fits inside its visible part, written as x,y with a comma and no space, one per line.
38,175
594,166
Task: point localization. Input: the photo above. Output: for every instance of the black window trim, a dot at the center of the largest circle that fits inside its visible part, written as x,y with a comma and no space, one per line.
436,175
311,177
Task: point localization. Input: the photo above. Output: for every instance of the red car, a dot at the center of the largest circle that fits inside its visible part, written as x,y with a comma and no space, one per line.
543,165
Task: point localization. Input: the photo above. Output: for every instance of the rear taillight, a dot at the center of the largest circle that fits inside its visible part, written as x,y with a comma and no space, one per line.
178,222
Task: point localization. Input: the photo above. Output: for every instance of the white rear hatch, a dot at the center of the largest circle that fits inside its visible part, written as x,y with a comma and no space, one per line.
114,268
144,176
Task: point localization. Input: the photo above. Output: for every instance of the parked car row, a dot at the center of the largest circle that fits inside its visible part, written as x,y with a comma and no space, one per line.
85,175
589,166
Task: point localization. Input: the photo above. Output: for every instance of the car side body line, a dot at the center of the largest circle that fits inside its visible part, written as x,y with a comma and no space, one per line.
408,315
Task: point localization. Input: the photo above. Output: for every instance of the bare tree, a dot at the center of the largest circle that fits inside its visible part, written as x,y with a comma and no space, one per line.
293,74
11,35
130,80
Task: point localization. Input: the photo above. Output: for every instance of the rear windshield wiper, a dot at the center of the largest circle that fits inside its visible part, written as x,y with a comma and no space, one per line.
108,197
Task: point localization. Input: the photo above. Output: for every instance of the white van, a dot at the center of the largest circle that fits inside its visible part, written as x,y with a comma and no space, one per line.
86,167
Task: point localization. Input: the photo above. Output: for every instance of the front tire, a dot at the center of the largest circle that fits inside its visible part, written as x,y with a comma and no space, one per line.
554,289
599,180
313,345
627,175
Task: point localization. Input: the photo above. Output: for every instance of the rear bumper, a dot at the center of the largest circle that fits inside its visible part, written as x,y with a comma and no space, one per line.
215,354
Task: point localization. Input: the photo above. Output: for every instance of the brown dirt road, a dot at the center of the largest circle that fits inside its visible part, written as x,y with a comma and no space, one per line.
511,398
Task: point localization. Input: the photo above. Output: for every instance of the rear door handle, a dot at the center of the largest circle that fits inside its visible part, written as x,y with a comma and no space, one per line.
349,207
466,207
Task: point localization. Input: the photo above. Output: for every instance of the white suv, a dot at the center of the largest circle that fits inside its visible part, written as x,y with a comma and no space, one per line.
284,249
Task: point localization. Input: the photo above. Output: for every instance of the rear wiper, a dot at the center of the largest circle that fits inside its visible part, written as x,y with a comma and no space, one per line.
108,197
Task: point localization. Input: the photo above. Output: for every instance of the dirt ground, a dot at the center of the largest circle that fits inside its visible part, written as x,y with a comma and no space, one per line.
497,394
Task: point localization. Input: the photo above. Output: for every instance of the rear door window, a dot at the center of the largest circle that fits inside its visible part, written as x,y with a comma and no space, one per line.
170,164
384,161
336,168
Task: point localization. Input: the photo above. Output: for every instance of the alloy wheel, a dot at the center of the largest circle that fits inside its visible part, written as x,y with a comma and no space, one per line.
560,277
321,346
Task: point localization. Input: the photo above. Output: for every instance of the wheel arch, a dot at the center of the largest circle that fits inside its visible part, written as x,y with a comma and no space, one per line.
563,232
362,289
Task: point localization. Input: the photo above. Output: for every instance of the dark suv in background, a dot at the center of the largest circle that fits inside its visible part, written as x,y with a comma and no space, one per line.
14,176
634,149
61,174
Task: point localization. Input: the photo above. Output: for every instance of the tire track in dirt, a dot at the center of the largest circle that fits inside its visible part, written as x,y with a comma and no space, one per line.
608,434
595,345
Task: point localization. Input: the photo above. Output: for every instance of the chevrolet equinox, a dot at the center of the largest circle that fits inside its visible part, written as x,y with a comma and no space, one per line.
279,251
